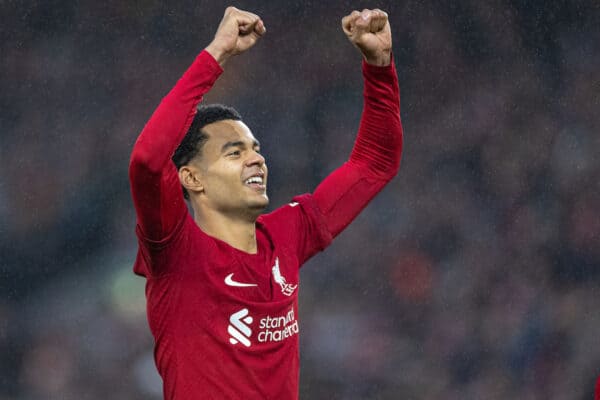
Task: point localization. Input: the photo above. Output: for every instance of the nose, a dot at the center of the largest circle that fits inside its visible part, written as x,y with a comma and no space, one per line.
255,158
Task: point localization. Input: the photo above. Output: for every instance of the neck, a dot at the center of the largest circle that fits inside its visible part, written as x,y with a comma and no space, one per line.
235,230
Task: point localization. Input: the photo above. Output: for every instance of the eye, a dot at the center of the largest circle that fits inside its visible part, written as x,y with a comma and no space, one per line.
234,153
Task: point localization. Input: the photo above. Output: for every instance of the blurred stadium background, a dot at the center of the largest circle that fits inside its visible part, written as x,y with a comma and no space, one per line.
474,275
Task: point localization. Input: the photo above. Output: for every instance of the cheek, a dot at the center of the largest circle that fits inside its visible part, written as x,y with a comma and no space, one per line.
223,175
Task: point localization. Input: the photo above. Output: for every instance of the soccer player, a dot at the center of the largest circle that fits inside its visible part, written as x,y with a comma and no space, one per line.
222,284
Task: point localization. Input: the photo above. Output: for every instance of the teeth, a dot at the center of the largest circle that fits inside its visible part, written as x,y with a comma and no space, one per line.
255,179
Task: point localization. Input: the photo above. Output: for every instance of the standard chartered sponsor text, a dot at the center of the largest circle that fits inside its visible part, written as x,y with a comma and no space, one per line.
276,329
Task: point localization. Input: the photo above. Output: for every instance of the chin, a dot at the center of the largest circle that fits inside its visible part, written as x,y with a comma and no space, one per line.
259,204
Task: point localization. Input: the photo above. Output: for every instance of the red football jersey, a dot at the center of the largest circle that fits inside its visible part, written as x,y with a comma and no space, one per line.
225,322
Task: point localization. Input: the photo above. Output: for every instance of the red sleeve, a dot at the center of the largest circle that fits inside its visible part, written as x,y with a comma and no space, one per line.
157,193
375,158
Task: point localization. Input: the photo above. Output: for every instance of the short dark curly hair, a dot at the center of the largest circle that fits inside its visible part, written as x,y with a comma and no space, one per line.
194,139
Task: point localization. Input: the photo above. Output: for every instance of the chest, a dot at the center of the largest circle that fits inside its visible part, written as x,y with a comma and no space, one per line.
244,302
270,276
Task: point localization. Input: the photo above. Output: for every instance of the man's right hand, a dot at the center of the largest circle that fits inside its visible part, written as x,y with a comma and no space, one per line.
238,31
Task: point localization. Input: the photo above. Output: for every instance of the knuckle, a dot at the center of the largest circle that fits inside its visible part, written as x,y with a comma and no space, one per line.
381,13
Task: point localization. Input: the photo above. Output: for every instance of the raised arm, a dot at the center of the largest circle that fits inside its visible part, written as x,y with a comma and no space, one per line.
155,185
375,158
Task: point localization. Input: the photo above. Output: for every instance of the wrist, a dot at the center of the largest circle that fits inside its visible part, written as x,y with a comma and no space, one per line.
220,55
380,60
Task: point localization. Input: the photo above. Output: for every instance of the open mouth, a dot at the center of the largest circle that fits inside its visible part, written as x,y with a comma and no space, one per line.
256,182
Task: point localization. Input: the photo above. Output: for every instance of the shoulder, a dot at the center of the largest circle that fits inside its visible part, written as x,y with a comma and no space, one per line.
297,223
175,252
288,213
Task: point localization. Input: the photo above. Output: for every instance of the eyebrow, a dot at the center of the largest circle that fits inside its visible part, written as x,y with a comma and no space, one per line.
239,143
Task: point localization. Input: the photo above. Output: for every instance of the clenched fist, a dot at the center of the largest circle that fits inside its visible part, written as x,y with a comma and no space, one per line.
370,32
238,31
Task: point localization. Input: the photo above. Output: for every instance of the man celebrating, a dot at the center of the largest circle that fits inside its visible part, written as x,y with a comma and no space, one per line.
222,285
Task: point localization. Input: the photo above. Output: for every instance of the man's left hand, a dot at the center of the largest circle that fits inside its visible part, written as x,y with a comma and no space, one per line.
370,32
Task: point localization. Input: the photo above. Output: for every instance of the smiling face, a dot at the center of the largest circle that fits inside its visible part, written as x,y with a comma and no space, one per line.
230,172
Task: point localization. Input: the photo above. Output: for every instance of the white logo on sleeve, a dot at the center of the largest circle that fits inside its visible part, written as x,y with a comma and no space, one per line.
286,288
238,327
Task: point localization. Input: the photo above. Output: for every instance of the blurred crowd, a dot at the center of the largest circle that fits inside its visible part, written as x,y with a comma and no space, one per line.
474,275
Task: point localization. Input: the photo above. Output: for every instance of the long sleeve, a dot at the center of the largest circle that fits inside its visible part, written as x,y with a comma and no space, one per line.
375,158
157,193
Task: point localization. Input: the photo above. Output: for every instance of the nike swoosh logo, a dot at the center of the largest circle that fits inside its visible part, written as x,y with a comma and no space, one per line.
230,282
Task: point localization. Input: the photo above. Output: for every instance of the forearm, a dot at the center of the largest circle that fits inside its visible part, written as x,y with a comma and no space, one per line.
375,158
378,145
155,185
172,118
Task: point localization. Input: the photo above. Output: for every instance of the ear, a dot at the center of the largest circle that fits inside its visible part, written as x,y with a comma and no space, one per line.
191,179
